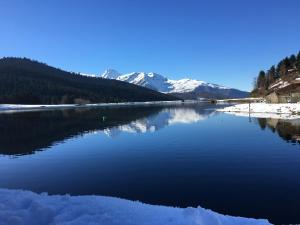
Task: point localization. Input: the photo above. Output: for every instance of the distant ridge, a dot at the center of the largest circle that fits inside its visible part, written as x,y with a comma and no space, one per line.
25,81
183,88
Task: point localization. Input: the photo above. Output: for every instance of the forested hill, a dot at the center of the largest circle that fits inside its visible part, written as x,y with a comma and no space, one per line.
24,81
287,70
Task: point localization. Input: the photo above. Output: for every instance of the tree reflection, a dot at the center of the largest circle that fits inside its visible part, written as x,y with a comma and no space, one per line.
288,130
28,132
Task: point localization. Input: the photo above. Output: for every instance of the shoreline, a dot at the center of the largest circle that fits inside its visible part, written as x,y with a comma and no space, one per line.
241,100
27,107
265,110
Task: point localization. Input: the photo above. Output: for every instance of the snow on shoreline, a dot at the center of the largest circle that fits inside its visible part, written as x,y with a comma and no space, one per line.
27,208
17,107
264,110
266,115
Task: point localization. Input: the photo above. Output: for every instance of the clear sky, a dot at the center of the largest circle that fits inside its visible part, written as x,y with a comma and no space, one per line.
225,42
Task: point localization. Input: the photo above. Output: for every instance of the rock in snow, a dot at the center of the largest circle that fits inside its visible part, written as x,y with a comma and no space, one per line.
27,208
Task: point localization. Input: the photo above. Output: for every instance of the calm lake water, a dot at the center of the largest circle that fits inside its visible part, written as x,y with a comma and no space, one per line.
181,156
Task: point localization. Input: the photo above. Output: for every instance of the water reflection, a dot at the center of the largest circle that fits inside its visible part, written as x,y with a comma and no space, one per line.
197,157
28,132
288,130
165,117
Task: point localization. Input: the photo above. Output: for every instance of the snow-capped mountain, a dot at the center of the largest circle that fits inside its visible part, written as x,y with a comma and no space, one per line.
110,74
184,88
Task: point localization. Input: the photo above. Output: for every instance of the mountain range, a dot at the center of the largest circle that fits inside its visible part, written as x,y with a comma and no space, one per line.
182,88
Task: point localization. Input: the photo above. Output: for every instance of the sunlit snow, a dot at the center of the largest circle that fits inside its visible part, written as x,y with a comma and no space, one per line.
27,208
160,83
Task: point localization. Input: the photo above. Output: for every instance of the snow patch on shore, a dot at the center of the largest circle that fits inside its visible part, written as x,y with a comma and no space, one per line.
281,111
266,115
20,107
27,208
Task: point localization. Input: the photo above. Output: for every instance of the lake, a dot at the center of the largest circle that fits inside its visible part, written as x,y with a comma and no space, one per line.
186,155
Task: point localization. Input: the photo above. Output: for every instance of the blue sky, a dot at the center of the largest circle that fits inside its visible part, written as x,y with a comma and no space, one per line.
225,42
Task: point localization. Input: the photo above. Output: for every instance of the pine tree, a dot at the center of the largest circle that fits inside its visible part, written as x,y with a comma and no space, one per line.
271,75
283,67
277,68
292,61
261,80
254,83
298,62
287,63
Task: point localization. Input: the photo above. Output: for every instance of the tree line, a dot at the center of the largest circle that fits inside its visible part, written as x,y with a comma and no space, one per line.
25,81
286,69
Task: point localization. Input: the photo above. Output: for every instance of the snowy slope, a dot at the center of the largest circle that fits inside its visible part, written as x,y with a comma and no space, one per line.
110,74
88,74
150,80
195,88
188,85
27,208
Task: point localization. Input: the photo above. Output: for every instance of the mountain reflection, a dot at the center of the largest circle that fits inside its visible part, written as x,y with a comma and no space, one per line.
288,130
28,132
166,117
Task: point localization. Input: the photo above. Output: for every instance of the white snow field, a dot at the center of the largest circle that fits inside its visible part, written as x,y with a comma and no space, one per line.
280,111
27,208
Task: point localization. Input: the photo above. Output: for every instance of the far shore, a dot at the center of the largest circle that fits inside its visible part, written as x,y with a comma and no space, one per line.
241,105
27,107
240,100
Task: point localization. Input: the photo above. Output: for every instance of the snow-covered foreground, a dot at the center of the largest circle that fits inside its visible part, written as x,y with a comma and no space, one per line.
27,208
264,110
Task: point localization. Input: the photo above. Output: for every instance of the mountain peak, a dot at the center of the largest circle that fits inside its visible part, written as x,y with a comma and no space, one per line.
184,88
110,74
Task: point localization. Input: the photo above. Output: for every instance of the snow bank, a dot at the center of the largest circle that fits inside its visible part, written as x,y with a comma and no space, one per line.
266,115
27,208
292,110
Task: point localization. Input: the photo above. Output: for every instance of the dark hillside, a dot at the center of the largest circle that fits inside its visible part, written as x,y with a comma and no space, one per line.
24,81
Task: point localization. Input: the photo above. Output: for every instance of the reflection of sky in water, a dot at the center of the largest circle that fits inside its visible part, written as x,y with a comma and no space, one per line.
194,157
